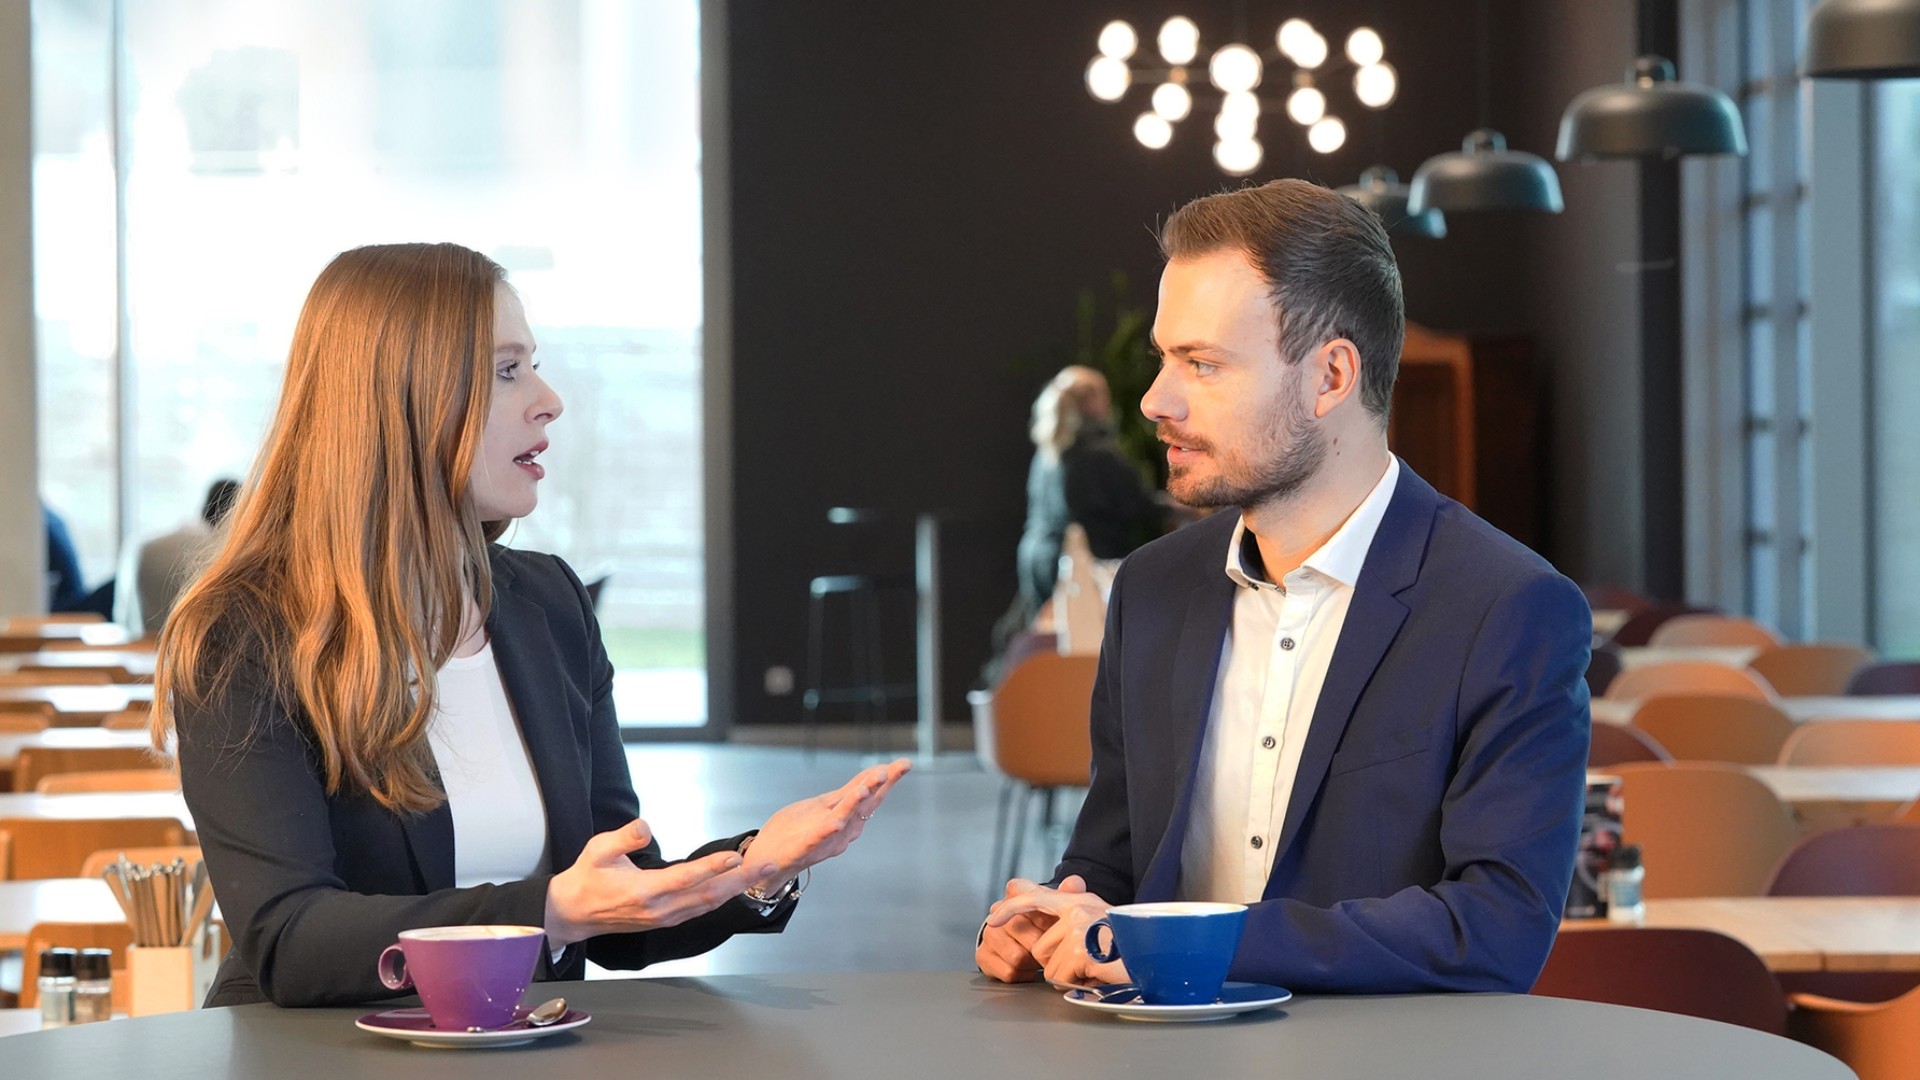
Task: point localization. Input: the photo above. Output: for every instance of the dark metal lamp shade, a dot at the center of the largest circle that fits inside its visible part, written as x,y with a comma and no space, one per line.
1484,175
1381,191
1650,115
1863,39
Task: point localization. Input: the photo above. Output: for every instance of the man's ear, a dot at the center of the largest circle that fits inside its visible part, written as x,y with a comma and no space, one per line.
1337,367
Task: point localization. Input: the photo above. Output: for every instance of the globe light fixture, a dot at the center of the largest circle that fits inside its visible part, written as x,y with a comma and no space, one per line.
1364,46
1179,40
1376,84
1234,68
1153,131
1306,105
1327,135
1118,40
1237,157
1108,78
1172,102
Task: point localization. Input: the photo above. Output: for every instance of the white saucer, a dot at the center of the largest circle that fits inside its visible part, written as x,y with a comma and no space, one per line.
1235,998
416,1027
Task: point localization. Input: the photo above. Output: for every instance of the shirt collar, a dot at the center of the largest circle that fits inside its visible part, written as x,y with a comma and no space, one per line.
1343,554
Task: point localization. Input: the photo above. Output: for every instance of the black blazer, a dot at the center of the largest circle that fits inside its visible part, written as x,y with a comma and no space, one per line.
313,886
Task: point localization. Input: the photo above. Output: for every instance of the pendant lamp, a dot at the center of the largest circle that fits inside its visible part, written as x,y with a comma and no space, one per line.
1381,191
1650,115
1863,39
1484,175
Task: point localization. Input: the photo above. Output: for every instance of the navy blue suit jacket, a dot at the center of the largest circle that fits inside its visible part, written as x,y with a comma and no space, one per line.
1429,839
313,885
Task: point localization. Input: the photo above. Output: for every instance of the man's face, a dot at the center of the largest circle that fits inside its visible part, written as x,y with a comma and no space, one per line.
1236,416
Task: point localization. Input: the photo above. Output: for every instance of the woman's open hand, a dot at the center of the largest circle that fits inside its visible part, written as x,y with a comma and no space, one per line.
814,830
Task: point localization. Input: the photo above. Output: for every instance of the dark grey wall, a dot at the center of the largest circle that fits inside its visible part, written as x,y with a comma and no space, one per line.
919,192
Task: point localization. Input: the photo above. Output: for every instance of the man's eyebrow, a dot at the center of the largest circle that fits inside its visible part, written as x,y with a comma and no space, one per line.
1154,345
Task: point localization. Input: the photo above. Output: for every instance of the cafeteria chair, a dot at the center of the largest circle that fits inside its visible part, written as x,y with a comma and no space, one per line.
137,716
23,723
1640,626
1885,678
1877,1040
1033,730
1715,727
37,676
1704,828
34,762
73,783
1686,677
65,935
1810,670
1614,598
98,862
82,674
22,624
1854,742
1617,744
1701,973
1603,666
1699,628
59,847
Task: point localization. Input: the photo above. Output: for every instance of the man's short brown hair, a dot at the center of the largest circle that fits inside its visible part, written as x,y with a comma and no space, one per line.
1328,261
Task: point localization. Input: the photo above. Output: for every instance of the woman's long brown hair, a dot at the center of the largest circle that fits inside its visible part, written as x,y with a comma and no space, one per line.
341,575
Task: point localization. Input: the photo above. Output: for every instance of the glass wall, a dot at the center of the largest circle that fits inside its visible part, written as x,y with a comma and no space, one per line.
561,137
1895,393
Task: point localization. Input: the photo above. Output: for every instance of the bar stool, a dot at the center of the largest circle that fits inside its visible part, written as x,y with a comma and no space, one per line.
867,688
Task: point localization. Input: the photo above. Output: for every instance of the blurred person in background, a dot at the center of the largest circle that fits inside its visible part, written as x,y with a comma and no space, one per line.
153,572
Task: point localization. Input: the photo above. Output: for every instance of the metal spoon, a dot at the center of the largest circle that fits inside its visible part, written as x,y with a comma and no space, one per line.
547,1012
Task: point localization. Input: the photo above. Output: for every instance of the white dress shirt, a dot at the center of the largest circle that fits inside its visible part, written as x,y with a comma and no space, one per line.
499,819
1272,665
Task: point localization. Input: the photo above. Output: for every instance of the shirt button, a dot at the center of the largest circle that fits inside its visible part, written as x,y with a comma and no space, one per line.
1286,643
1258,843
1266,743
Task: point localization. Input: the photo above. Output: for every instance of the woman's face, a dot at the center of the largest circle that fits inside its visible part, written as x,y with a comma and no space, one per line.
506,476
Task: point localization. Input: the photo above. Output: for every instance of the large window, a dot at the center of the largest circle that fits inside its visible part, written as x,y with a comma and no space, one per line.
1895,351
257,140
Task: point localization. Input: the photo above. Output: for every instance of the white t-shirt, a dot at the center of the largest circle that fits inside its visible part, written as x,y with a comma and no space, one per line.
499,820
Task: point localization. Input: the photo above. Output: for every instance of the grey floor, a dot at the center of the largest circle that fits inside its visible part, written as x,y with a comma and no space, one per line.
910,893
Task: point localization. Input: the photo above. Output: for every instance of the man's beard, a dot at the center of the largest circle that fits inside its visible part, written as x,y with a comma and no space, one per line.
1285,457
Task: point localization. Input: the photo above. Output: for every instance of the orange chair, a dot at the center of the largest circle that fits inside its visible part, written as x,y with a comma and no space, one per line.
1640,627
1617,744
1701,629
1700,973
21,624
1715,727
1034,730
50,935
1887,677
1854,742
59,847
140,856
1877,1040
1704,829
109,780
1686,677
1810,670
133,718
22,723
35,762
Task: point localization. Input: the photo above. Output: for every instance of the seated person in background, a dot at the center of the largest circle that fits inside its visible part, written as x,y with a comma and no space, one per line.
1351,704
153,572
387,721
66,583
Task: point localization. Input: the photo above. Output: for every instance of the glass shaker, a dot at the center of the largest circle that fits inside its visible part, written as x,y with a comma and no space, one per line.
56,986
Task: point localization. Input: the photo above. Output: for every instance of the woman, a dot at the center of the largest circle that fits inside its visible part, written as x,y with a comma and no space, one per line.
341,798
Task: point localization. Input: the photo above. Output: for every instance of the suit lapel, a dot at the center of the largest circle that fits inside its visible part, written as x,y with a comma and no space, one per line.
1373,621
430,839
1196,670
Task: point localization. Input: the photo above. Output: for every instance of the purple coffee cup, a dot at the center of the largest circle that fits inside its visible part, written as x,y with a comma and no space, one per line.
469,977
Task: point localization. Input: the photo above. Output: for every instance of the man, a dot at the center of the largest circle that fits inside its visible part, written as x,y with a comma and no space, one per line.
1371,726
154,573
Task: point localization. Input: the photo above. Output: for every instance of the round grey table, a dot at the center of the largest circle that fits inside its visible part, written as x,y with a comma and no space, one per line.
933,1025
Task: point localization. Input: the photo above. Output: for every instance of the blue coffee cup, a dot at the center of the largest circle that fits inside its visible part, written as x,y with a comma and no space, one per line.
1176,953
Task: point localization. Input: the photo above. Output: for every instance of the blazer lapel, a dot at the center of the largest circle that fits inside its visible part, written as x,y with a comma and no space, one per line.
1196,670
430,839
1373,620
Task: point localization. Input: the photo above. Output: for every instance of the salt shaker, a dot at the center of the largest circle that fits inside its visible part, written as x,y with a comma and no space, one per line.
93,986
1625,875
57,986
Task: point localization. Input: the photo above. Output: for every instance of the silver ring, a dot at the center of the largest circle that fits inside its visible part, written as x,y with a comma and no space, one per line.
866,817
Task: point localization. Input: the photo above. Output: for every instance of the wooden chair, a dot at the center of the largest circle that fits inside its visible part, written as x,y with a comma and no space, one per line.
1876,859
139,856
1715,727
1892,677
87,674
23,722
1034,730
1686,677
1614,597
1810,670
55,676
1700,973
1617,744
135,717
1603,666
1854,742
109,780
35,762
59,847
1877,1040
21,624
114,936
1704,829
1704,629
1640,627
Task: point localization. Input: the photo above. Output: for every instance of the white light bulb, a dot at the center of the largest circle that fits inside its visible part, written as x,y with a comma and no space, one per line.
1235,127
1237,156
1234,68
1363,47
1152,130
1292,33
1375,85
1311,53
1172,101
1108,79
1243,105
1327,136
1306,105
1118,40
1179,40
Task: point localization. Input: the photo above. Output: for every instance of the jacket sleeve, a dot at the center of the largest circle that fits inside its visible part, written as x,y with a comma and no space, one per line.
1100,849
1509,824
